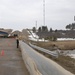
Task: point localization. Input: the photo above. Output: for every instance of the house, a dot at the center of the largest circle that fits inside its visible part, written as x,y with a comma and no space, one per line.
5,32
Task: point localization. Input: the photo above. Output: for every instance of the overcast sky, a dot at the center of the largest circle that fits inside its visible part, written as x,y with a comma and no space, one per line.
21,14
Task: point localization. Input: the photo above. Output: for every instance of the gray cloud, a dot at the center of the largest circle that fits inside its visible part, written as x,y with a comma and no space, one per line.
19,14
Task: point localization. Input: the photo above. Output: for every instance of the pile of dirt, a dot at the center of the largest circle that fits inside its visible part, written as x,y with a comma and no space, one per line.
24,35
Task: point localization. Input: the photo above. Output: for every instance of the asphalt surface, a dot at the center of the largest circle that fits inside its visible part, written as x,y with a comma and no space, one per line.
44,65
11,62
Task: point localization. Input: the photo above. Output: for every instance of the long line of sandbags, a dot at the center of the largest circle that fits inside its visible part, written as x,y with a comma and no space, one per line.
29,62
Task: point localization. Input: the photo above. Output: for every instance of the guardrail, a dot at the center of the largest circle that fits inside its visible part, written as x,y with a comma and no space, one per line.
55,54
29,62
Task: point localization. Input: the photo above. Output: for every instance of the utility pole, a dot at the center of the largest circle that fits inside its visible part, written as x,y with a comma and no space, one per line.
36,25
44,12
74,18
36,30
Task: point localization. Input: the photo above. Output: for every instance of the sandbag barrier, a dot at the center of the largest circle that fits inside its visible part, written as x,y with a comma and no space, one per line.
52,53
28,61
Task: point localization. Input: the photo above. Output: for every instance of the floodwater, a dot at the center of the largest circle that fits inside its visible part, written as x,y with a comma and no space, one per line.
70,53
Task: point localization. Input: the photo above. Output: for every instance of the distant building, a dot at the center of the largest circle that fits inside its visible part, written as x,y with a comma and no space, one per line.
3,34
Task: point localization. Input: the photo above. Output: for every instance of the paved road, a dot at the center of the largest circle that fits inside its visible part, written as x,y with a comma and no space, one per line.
11,62
45,65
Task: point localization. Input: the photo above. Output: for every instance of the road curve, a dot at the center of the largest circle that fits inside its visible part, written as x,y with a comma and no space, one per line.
45,66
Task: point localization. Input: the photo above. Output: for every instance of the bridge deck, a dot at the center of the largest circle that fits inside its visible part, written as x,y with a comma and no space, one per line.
11,62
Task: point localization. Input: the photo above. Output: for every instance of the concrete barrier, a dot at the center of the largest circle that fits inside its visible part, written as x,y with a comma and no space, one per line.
30,64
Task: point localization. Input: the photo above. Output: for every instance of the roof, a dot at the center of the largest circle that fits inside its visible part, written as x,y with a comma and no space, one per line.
6,30
3,33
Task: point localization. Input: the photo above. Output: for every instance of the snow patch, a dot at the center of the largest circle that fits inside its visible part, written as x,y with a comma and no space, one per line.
35,37
72,55
62,39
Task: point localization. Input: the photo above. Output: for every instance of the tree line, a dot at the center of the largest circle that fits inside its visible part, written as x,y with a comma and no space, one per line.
45,28
71,26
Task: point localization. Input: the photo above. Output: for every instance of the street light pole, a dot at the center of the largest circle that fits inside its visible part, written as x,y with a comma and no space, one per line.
74,18
36,25
44,12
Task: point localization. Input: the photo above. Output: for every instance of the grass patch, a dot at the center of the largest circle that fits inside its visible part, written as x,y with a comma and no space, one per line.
62,45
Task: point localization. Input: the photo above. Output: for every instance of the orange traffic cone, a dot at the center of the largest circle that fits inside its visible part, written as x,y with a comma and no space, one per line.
2,53
8,44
